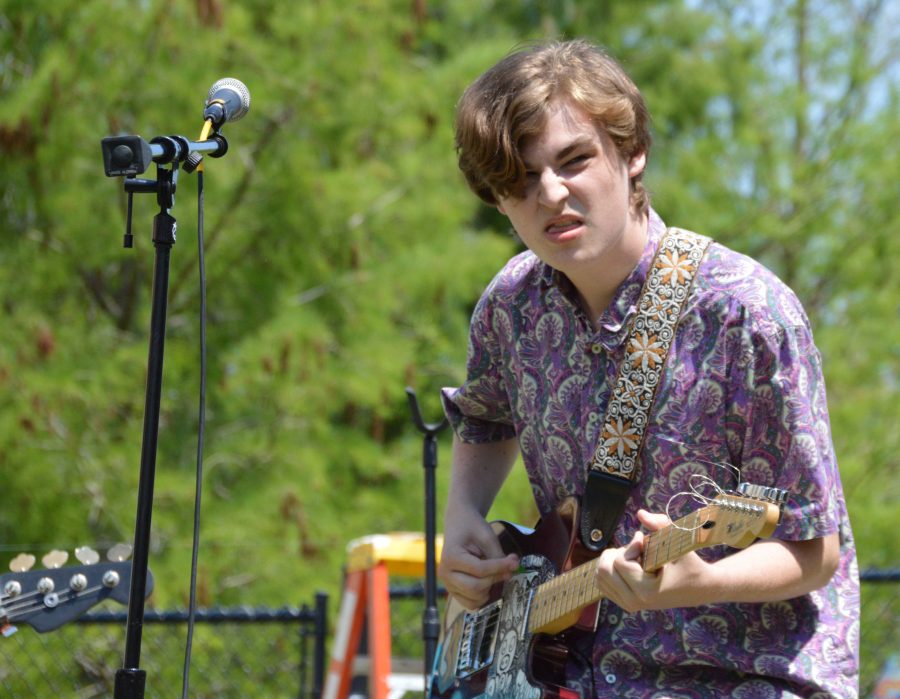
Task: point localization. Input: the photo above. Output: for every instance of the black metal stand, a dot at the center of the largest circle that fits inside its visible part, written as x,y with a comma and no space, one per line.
130,679
431,622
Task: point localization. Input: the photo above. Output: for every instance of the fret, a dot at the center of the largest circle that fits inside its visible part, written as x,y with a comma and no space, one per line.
537,617
557,598
651,551
587,580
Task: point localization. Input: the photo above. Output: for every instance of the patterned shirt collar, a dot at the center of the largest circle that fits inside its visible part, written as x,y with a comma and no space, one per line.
613,322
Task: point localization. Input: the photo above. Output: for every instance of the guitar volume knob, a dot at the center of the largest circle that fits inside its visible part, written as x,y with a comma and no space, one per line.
110,578
78,582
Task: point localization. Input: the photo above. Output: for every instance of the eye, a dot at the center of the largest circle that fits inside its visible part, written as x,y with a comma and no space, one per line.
576,160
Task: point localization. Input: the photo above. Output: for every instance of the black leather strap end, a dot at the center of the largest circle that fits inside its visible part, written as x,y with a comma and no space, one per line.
602,505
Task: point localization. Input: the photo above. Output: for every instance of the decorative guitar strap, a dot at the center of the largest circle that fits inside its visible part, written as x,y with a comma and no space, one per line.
612,471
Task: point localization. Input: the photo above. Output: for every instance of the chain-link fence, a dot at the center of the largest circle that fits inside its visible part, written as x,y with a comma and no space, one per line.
248,653
244,652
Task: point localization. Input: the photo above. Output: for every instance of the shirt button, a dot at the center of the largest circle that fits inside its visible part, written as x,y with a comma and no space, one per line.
613,619
610,678
596,348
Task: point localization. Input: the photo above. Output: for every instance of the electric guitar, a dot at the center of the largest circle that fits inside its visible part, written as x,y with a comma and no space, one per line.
45,599
515,647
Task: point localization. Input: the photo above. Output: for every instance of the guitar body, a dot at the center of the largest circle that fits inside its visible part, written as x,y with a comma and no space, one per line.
490,652
517,645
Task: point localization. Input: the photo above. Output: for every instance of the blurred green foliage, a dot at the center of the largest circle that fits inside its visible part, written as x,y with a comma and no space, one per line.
344,253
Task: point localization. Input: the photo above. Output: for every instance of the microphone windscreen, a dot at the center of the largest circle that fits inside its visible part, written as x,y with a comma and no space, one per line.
234,93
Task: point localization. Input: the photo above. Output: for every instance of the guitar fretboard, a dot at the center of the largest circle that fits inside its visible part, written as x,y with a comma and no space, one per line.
558,602
674,541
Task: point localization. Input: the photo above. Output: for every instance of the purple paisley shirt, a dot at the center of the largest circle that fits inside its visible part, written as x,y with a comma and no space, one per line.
742,385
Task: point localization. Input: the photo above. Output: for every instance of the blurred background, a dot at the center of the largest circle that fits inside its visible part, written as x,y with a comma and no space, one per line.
344,255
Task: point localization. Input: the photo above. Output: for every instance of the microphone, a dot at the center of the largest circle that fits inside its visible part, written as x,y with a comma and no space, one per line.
228,100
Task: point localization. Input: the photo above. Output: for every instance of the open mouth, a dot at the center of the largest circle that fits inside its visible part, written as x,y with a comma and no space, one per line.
561,227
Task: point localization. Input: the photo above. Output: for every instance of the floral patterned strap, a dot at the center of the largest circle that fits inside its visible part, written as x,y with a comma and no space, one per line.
665,291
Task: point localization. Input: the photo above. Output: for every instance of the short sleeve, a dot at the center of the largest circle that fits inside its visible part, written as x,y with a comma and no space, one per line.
479,410
787,441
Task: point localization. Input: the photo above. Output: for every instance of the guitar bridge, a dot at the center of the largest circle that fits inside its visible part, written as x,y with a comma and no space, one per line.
479,636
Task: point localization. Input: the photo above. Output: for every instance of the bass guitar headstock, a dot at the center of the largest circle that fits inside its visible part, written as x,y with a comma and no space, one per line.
47,598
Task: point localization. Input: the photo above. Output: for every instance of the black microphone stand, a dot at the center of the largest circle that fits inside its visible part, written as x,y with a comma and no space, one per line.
130,679
431,623
129,156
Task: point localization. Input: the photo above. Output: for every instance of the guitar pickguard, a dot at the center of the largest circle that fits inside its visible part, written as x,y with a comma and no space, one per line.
507,677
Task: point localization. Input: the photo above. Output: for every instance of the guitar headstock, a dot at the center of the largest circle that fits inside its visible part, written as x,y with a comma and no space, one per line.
739,519
47,598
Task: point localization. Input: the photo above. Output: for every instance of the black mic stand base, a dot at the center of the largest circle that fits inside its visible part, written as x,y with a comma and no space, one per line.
130,682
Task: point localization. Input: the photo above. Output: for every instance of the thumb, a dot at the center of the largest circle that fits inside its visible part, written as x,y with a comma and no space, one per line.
496,561
653,521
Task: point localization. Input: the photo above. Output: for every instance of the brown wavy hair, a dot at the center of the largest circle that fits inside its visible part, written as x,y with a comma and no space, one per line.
510,102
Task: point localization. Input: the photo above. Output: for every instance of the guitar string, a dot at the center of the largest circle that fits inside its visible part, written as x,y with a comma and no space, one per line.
26,605
18,598
557,602
734,470
696,481
676,536
680,535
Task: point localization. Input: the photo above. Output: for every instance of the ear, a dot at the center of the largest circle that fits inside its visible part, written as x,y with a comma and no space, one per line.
500,208
637,164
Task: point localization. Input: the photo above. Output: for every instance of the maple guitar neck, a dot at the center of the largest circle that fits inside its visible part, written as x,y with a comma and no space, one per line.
738,521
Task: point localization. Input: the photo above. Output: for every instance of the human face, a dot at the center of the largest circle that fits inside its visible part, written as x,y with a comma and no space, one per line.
575,212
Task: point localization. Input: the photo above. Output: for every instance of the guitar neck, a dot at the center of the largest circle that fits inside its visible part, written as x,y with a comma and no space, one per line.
676,540
558,603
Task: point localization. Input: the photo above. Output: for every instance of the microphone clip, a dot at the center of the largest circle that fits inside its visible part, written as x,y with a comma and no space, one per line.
132,155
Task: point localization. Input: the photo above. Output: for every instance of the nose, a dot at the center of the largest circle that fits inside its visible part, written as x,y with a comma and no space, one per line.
552,189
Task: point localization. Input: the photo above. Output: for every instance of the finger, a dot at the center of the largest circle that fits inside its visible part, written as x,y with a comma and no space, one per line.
633,550
487,545
653,521
606,573
497,569
609,580
470,579
472,591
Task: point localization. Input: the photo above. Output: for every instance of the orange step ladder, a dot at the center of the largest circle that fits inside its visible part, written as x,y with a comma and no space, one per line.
366,601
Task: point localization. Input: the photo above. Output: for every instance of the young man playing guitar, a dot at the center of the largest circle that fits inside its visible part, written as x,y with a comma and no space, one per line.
557,138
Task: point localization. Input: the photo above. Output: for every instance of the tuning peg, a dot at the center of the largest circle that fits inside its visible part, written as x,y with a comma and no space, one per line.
55,559
87,555
119,552
776,496
22,563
